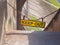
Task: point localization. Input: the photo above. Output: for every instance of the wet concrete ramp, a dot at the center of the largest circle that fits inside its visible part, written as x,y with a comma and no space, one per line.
44,38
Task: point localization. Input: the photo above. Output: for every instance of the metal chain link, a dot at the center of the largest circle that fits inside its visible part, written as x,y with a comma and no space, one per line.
48,14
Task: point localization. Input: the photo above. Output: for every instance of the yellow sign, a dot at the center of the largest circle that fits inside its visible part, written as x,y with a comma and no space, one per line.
32,23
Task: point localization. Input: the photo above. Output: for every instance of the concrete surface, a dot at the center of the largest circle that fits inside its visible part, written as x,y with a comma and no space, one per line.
35,38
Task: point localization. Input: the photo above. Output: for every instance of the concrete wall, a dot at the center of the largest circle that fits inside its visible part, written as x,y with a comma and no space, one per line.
7,12
54,25
2,8
11,15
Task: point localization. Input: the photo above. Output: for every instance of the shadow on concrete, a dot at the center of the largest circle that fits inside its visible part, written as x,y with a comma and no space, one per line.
44,38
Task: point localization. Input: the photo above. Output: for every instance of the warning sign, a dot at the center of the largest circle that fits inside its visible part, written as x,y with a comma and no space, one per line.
32,23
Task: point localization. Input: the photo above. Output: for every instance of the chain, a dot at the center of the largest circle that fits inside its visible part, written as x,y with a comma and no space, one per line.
48,14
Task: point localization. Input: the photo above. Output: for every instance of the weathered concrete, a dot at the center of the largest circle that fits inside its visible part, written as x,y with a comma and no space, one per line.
35,38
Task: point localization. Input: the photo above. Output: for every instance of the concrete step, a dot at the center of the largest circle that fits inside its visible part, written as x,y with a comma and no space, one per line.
16,39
